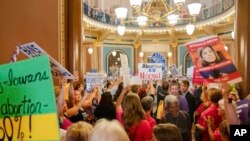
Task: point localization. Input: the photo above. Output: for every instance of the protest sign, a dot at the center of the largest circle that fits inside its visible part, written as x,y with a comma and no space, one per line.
94,80
242,110
212,61
173,70
28,109
158,58
197,78
33,50
150,71
124,70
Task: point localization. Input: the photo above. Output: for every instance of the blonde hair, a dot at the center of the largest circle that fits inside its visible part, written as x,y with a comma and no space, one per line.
79,131
105,130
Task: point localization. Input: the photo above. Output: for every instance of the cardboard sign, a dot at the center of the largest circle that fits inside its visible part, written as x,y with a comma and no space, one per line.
28,109
150,71
33,50
212,61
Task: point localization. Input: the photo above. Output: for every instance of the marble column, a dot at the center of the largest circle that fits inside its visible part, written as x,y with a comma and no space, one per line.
98,57
242,41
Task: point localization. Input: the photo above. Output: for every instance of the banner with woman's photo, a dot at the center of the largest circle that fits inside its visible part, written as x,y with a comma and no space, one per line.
212,61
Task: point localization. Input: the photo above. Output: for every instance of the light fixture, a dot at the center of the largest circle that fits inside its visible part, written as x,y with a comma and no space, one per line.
170,54
135,2
121,30
194,8
226,48
172,19
142,20
179,2
160,13
114,53
118,59
121,12
90,50
232,33
190,29
141,54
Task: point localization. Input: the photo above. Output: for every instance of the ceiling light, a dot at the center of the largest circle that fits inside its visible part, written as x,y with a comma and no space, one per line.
179,2
232,33
172,19
142,20
121,30
141,54
135,2
121,12
90,50
226,48
114,53
194,8
190,29
170,54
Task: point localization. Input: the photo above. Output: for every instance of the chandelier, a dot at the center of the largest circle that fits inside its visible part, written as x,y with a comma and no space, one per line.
162,13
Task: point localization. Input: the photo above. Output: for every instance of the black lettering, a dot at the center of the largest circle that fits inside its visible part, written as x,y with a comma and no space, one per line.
26,106
29,78
3,134
9,133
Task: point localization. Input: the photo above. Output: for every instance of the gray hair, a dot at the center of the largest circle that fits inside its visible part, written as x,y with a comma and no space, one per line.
170,99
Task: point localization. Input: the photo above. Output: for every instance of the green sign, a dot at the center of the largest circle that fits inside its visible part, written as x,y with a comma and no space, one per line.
27,105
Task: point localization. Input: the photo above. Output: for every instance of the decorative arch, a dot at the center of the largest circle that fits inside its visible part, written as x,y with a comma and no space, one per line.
114,62
186,63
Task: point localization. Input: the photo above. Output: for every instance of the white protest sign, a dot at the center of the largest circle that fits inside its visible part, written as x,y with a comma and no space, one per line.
33,50
124,70
95,79
173,69
124,60
150,71
135,80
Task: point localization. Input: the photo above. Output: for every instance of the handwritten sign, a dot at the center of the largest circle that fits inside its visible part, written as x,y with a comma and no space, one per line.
33,50
95,79
150,71
212,61
27,102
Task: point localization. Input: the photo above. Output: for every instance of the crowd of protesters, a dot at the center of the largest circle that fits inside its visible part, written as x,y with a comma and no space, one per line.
167,109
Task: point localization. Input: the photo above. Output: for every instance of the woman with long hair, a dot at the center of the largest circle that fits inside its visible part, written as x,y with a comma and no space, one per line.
106,107
132,116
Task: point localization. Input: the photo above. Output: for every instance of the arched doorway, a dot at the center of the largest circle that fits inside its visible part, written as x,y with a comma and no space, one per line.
114,63
187,62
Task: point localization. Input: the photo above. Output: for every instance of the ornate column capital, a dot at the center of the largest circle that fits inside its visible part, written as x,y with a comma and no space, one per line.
136,46
98,44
